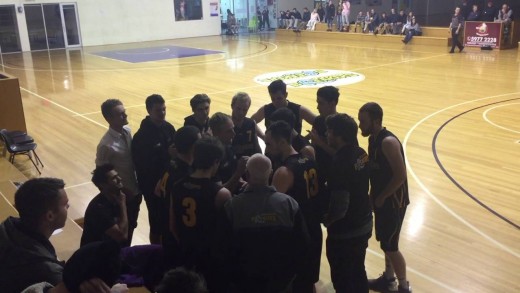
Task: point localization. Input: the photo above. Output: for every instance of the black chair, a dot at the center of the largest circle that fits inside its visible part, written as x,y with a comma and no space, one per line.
19,143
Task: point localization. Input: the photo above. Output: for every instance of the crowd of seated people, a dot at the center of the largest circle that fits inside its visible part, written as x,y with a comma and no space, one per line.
391,23
217,206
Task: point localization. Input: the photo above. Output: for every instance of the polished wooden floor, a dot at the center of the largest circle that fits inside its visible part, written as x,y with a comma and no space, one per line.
458,116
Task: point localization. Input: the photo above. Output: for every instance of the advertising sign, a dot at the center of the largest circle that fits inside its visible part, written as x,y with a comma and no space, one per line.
482,34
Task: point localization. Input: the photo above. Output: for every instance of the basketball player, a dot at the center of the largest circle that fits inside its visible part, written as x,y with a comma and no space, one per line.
349,217
278,92
196,202
297,177
245,142
388,193
298,142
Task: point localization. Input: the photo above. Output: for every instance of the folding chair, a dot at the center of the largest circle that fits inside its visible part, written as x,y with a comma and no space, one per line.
19,143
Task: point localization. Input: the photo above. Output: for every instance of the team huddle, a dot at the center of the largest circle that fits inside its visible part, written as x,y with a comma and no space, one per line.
247,221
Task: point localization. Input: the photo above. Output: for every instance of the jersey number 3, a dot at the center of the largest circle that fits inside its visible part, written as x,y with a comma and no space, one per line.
189,218
311,178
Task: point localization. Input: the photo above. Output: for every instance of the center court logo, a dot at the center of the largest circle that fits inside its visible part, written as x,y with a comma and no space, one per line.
311,78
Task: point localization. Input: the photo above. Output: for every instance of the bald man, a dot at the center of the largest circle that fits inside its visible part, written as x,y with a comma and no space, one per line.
264,236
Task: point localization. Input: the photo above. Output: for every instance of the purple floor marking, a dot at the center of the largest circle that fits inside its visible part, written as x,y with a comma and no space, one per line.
155,53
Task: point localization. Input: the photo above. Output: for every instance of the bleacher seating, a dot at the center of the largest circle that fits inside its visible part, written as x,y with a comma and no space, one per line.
432,36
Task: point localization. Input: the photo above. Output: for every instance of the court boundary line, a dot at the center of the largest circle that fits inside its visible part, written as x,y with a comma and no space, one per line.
484,115
435,198
63,107
260,53
447,174
78,185
174,99
411,269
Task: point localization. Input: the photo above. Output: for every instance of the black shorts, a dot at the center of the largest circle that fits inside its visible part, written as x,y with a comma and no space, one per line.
388,223
157,213
310,270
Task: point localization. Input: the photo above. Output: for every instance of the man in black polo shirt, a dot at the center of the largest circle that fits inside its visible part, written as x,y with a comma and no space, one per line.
388,193
278,92
349,219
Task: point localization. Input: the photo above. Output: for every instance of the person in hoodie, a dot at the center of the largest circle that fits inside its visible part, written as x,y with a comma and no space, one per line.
27,255
151,148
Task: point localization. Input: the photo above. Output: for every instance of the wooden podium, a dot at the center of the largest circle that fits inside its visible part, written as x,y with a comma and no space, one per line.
11,108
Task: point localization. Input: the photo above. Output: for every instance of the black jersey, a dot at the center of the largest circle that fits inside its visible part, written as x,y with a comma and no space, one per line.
381,172
195,216
245,142
299,142
306,191
306,186
227,166
190,120
351,173
295,108
323,159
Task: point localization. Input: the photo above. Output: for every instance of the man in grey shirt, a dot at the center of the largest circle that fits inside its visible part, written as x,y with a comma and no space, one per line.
115,149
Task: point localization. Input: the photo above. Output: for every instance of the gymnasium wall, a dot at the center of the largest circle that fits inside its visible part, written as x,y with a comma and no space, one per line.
125,21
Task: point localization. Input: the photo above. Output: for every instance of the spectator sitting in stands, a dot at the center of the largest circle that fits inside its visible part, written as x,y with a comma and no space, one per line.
413,30
321,11
315,18
474,15
305,19
408,23
296,17
401,20
489,13
288,19
374,21
505,16
281,19
383,25
232,28
367,21
392,19
360,20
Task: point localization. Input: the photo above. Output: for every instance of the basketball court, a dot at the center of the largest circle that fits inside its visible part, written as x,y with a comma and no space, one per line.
457,115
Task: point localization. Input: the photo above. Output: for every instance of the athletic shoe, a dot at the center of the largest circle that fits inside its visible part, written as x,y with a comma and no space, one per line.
460,49
382,284
408,288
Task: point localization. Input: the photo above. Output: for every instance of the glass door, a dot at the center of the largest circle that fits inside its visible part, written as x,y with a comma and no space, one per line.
9,36
36,27
71,28
52,26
